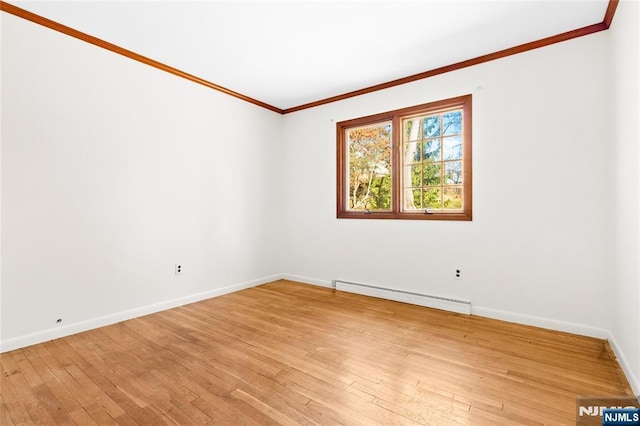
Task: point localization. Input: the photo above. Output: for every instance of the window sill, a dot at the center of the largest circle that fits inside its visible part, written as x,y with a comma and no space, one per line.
457,216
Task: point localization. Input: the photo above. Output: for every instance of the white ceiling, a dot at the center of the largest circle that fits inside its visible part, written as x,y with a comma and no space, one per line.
288,53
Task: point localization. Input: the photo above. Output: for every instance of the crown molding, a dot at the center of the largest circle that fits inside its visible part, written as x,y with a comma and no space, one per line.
458,65
40,20
56,26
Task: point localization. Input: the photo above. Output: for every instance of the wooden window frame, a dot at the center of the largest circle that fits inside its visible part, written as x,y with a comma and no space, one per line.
396,116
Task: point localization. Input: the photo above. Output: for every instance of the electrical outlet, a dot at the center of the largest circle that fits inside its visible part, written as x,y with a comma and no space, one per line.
178,269
458,275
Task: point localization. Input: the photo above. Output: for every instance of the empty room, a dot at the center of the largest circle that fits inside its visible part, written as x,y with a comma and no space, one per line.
320,212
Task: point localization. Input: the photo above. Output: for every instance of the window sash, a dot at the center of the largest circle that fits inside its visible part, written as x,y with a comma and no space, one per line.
414,145
368,174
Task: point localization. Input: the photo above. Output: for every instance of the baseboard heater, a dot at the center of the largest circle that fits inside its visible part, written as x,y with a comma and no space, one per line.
444,303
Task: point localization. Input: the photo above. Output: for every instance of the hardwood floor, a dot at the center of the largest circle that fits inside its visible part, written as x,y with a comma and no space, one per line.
288,353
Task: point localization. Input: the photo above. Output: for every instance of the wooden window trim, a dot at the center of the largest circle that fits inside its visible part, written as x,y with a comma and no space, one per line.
395,117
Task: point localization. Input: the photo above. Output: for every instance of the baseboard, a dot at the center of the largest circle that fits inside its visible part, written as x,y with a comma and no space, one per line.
306,280
79,327
633,380
550,324
58,332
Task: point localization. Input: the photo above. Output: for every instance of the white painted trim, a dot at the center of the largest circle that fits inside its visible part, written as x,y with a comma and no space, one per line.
551,324
78,327
547,323
633,380
306,280
58,332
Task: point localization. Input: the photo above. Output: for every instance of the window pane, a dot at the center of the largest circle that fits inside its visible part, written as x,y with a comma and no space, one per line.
431,150
431,126
453,172
452,147
412,152
412,176
369,152
432,198
411,129
431,174
442,142
452,197
380,197
412,199
452,123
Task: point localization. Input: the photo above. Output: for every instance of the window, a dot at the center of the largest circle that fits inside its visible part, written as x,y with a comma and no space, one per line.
413,163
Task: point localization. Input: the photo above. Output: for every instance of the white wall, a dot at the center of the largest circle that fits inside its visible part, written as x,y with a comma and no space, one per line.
624,113
538,245
112,171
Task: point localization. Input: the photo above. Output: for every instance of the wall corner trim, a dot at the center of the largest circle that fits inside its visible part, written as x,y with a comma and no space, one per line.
632,377
307,280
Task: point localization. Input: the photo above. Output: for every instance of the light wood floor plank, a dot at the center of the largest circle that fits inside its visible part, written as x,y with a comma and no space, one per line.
288,353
